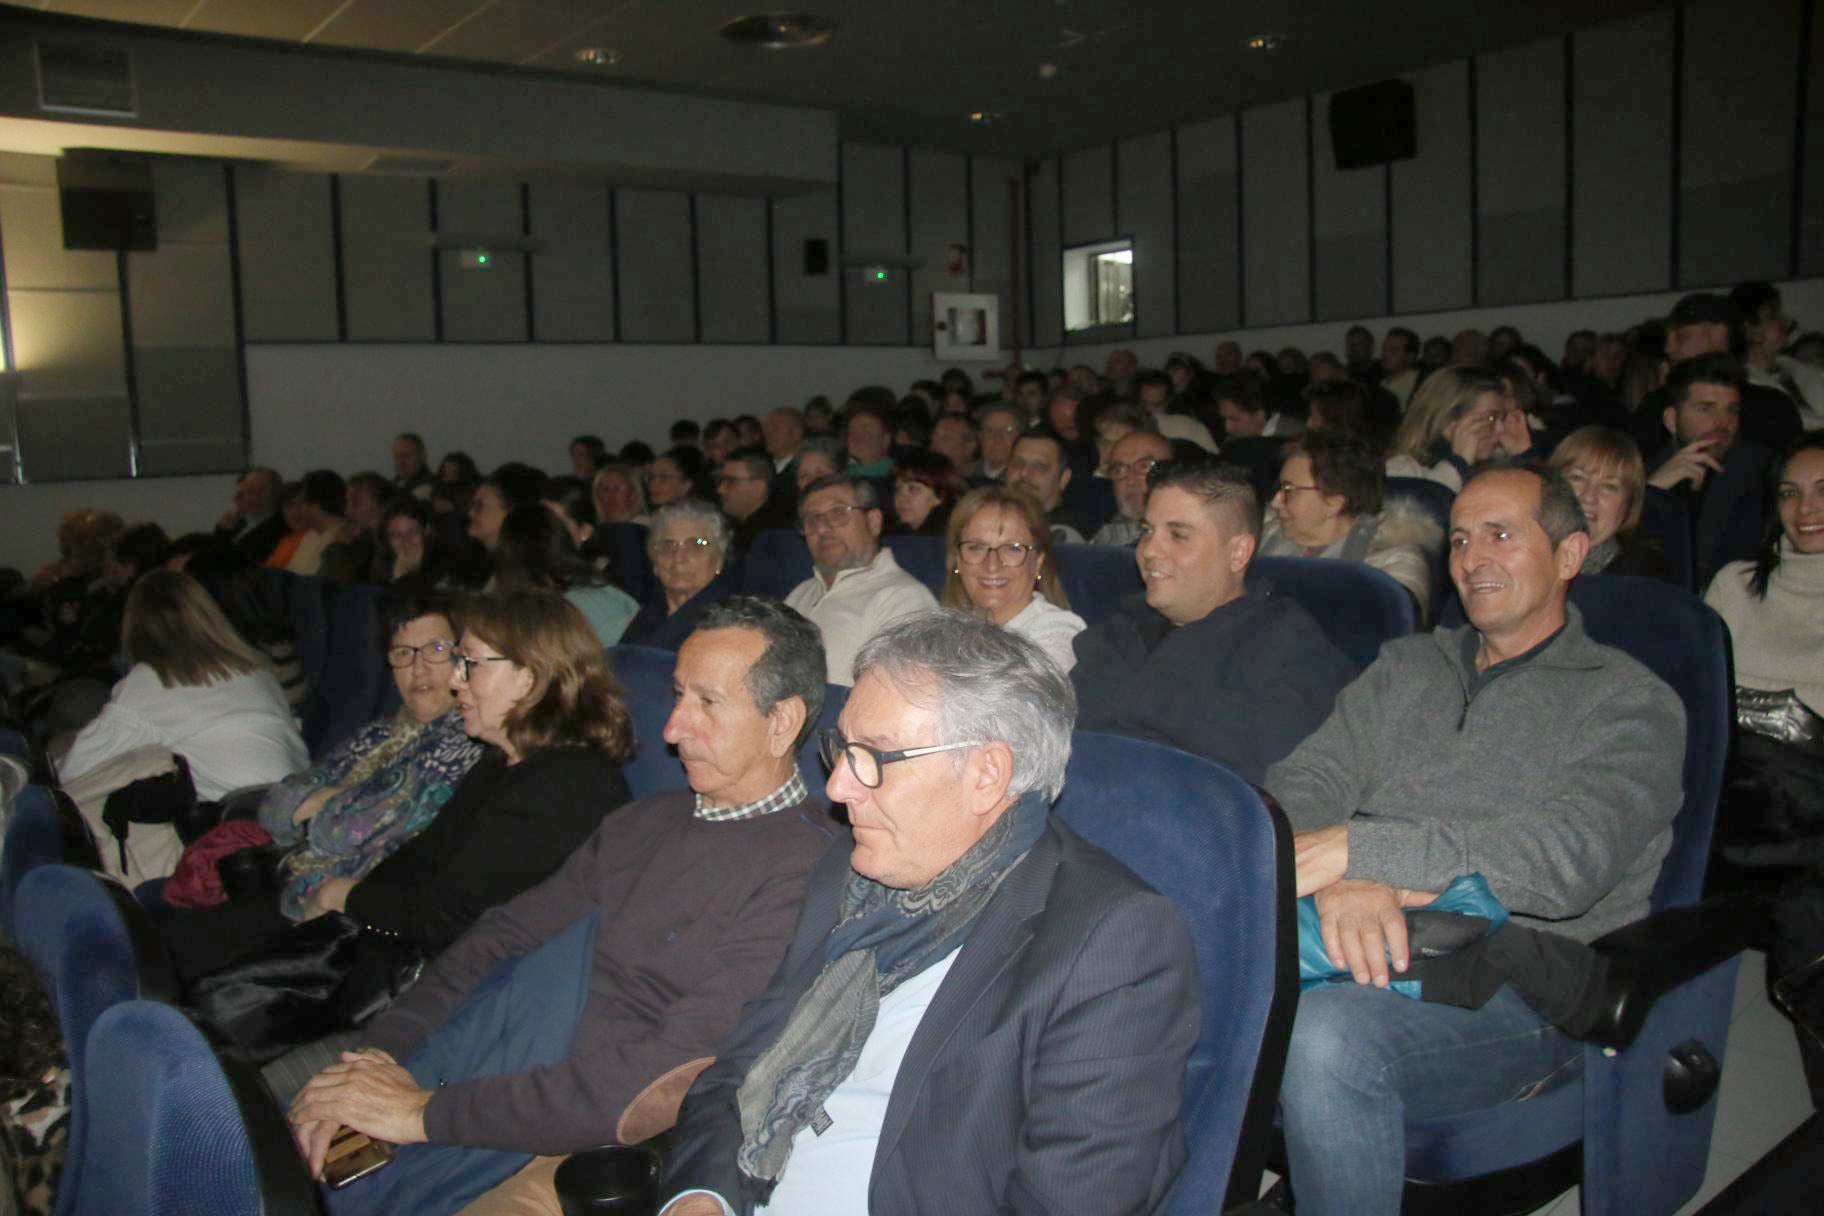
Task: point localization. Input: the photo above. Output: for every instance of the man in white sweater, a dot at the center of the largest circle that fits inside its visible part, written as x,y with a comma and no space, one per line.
858,588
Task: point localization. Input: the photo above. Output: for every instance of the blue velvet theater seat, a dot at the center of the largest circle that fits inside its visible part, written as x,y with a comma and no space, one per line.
1637,1156
1201,836
1358,607
187,1133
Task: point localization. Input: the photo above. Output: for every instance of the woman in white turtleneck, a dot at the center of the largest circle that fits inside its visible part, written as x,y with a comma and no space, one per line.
1774,606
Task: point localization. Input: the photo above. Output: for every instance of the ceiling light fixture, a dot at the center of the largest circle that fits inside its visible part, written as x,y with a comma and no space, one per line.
780,31
598,56
1265,42
984,118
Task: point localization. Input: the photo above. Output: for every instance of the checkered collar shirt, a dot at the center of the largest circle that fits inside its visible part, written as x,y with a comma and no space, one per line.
790,794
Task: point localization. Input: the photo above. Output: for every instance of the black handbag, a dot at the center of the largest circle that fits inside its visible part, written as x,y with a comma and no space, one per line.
319,976
167,798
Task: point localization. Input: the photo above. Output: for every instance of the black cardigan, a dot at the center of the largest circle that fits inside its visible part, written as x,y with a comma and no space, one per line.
505,829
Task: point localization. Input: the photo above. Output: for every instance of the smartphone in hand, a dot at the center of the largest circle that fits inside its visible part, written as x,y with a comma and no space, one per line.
354,1155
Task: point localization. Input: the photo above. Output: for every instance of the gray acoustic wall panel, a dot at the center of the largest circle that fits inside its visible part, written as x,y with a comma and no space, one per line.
482,303
181,299
1735,161
1349,221
573,272
809,312
874,226
940,218
1520,174
1145,213
731,268
288,254
1621,124
1088,195
1046,253
994,187
1432,220
1209,296
386,258
1276,214
657,303
1811,233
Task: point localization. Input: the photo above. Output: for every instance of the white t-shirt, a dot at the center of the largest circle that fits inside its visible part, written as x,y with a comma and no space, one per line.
234,733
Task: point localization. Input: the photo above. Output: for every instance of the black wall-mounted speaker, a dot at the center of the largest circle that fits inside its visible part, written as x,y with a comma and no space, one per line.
107,203
1373,125
816,256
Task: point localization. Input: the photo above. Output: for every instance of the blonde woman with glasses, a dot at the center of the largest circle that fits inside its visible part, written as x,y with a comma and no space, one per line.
1001,569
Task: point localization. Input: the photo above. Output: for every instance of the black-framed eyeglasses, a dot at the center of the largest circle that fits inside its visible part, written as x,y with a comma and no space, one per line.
1011,553
435,653
465,665
867,762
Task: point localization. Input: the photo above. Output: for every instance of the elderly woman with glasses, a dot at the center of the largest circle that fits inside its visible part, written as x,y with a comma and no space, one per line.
688,543
1329,504
1001,570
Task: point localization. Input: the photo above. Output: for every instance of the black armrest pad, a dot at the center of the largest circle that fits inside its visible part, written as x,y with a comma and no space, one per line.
1649,958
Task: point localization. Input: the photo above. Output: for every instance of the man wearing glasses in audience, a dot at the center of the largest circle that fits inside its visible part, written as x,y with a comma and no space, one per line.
1129,462
744,483
979,1012
996,429
858,588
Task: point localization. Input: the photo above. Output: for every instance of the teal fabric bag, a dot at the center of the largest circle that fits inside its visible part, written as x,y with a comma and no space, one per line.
1467,895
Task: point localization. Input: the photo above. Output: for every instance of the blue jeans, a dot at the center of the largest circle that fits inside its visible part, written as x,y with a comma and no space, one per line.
1362,1060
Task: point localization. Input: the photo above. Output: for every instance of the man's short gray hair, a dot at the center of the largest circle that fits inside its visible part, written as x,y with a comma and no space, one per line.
986,684
695,512
792,664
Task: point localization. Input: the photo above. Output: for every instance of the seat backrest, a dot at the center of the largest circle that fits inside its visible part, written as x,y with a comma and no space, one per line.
93,949
1434,496
624,545
645,672
307,608
1097,578
14,744
34,838
922,557
1682,641
182,1135
1358,607
1202,836
778,561
356,686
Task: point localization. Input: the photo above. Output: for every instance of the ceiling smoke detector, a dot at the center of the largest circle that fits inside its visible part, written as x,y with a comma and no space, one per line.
598,57
780,31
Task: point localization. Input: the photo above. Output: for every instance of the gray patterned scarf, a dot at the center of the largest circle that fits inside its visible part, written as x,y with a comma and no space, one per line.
882,938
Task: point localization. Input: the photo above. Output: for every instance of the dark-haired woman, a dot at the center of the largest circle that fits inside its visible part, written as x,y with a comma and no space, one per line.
533,549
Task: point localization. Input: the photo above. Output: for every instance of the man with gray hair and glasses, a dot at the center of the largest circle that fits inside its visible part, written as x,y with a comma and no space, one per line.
979,1012
858,588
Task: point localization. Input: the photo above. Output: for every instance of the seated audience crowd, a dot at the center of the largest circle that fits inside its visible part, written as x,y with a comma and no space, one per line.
826,988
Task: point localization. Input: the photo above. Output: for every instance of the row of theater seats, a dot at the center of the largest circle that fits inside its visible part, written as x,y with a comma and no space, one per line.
156,1113
336,628
1203,837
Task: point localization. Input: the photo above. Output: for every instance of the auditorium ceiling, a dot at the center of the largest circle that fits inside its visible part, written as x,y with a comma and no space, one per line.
1012,76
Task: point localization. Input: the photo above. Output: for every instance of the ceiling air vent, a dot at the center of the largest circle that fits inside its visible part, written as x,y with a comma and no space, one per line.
414,166
82,78
780,31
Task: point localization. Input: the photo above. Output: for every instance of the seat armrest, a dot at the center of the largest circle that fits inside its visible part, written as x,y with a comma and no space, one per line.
655,1108
1649,958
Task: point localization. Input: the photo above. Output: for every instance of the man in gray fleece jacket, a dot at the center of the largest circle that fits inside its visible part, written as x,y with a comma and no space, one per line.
1514,746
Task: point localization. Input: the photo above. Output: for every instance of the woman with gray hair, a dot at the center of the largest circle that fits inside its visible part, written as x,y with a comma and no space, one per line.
688,543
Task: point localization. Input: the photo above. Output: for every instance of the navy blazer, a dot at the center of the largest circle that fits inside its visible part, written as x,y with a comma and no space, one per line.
1045,1076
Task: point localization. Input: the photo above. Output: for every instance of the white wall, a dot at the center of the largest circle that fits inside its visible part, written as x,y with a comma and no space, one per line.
178,504
340,405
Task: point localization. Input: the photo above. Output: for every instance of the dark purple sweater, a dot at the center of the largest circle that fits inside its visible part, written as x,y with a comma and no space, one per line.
695,917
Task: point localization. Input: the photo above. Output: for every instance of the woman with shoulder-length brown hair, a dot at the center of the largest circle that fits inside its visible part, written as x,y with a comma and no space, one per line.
531,682
1001,569
196,688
